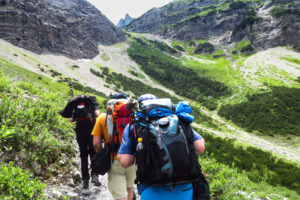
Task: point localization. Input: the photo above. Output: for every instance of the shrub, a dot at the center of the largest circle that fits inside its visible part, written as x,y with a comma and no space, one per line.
257,164
96,73
17,184
5,85
205,48
273,113
74,66
163,47
55,73
134,73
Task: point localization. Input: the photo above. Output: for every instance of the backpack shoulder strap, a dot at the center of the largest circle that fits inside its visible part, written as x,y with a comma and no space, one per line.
189,133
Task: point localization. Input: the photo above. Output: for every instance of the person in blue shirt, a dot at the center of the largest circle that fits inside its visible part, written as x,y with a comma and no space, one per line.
158,192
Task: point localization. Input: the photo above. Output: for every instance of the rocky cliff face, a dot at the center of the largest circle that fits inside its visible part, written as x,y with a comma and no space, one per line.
266,23
70,27
123,22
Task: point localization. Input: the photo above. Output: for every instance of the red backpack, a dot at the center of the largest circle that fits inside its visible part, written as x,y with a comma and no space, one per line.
117,117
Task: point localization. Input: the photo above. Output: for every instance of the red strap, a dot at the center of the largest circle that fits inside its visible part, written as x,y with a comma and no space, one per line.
85,118
134,131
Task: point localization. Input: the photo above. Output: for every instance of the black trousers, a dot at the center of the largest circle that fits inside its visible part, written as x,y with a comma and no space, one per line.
85,143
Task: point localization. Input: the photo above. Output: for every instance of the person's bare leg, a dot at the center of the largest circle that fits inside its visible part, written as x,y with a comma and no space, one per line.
130,193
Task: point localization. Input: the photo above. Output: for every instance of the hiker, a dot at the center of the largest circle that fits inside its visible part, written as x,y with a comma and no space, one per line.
164,171
108,129
82,110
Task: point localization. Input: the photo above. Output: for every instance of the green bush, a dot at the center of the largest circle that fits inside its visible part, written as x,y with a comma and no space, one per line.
163,47
5,85
96,73
30,124
273,113
133,73
34,126
55,73
257,164
17,184
227,182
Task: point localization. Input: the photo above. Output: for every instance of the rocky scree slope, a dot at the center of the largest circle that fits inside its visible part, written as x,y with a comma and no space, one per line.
70,27
266,23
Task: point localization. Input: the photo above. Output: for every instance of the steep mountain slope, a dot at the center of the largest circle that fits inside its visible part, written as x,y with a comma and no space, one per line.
70,27
264,23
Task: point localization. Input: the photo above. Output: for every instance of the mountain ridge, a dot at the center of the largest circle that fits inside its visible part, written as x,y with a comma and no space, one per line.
264,23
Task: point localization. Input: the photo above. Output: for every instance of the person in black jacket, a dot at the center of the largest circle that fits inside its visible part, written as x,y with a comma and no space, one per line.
82,110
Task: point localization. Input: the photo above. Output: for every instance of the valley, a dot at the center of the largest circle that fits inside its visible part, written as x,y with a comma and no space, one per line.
236,62
253,72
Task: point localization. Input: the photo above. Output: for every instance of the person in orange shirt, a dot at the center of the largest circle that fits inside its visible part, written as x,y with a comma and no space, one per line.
120,180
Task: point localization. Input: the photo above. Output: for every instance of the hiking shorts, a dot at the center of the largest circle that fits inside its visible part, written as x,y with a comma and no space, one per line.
180,191
120,179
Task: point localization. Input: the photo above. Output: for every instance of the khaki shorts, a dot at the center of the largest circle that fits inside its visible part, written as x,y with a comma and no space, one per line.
119,179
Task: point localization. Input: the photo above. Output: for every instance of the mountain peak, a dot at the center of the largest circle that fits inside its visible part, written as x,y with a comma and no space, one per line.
125,21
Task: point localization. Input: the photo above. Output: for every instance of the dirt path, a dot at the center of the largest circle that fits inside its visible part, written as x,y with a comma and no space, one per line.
77,193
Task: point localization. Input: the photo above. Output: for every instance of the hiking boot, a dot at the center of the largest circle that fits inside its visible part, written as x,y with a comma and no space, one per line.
85,184
95,180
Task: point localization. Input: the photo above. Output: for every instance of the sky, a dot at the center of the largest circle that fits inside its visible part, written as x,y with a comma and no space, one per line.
114,10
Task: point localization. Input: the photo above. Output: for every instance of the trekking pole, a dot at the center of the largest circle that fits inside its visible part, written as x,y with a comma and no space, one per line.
71,89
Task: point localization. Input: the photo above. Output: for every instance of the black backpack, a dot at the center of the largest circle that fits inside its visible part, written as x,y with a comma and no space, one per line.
83,114
168,156
71,109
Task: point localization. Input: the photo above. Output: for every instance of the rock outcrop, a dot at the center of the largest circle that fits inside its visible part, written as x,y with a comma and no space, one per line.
266,23
70,27
124,22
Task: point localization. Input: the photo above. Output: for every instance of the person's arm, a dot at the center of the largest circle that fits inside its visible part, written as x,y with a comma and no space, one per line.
126,160
199,143
97,135
126,152
96,113
97,143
